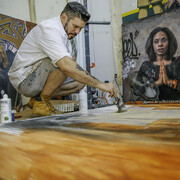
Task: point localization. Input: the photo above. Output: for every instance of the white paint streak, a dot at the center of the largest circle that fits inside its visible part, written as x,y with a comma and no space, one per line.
13,131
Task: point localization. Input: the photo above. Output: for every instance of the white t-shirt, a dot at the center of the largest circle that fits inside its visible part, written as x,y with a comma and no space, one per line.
48,39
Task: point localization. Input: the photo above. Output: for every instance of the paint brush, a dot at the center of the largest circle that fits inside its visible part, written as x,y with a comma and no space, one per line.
119,100
120,104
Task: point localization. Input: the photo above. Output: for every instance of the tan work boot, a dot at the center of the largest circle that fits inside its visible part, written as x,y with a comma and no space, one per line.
44,107
47,100
30,103
41,108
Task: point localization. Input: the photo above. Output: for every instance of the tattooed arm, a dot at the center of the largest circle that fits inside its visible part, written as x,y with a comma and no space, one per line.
73,70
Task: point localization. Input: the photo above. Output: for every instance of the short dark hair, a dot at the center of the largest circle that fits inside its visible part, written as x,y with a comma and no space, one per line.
75,9
172,47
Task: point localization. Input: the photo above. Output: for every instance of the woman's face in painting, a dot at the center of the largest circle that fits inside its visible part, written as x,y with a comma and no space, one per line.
160,43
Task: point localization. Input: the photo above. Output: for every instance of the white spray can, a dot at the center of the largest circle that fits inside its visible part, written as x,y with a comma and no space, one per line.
5,108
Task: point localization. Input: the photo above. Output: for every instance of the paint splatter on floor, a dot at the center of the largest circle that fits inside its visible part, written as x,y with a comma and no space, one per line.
99,145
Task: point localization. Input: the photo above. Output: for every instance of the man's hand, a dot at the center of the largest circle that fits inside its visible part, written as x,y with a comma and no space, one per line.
108,87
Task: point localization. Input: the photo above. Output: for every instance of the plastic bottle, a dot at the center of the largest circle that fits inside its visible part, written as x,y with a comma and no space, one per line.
107,96
5,108
83,104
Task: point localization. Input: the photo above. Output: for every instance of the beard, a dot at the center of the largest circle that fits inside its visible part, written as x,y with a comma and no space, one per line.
66,30
74,35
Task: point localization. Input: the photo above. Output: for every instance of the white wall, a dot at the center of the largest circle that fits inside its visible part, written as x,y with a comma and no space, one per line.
100,36
20,8
15,8
128,5
49,8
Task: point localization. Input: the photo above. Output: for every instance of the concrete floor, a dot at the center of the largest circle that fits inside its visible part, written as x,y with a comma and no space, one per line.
142,143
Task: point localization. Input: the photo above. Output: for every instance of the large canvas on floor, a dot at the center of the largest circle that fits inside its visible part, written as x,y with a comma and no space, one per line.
135,36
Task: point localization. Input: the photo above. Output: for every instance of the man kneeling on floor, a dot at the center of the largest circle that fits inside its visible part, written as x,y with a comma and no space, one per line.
43,66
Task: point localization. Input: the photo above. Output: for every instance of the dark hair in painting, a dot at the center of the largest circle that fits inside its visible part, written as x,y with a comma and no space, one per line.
172,47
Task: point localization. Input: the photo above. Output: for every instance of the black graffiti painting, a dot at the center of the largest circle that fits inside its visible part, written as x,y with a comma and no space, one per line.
130,50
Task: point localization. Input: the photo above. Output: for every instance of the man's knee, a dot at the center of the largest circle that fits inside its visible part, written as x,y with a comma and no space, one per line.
80,86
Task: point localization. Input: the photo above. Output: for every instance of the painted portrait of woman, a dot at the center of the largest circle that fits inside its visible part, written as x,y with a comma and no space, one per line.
162,67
